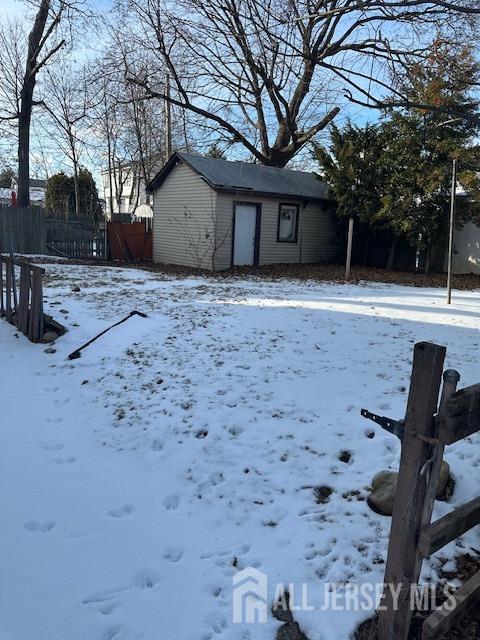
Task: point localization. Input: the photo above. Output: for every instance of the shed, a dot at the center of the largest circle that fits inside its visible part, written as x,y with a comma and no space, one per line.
214,214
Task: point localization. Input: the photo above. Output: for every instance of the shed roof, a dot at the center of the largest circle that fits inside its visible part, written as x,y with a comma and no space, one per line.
244,177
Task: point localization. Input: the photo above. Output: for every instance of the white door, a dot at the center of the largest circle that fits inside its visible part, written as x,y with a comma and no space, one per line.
244,236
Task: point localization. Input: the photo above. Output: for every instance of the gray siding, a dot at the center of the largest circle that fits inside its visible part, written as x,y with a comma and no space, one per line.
183,220
316,230
466,250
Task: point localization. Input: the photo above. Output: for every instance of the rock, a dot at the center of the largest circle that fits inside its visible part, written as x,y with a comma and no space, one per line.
443,479
384,486
290,631
50,350
322,494
50,336
76,289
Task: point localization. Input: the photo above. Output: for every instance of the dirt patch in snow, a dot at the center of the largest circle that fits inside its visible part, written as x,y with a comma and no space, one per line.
468,626
315,272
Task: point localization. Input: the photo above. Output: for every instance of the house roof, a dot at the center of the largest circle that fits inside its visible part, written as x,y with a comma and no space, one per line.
243,177
39,184
34,183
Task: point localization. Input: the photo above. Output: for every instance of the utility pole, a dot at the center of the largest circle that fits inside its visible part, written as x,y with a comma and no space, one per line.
168,119
451,229
349,249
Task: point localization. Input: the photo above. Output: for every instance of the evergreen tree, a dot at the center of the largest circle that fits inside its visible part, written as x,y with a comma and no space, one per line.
350,167
60,195
420,146
397,175
6,176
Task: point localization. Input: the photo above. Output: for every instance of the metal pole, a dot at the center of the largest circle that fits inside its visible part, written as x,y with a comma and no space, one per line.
168,119
105,236
349,249
450,235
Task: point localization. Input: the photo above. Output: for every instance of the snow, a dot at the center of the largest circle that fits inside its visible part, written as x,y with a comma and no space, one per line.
135,478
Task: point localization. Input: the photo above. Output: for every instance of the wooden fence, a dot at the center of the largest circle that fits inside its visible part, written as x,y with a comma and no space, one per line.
130,242
424,433
22,306
74,238
22,230
29,231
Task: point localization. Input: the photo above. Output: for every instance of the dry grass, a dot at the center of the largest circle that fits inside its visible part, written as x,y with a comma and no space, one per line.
314,272
468,627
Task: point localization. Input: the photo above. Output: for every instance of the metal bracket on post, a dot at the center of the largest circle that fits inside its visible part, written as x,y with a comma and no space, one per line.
392,426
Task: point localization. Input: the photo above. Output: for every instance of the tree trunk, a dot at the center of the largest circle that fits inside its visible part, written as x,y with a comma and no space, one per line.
428,258
35,44
76,181
76,186
24,119
391,255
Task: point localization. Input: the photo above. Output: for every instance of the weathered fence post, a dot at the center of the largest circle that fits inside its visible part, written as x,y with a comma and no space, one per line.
450,381
8,289
23,307
404,560
35,323
2,309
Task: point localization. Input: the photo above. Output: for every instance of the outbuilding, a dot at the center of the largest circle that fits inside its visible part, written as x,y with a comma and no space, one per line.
211,213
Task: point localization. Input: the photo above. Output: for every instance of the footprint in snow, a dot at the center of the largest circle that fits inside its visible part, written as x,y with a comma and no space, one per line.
69,460
52,447
39,527
173,553
121,512
171,502
103,598
156,445
145,580
112,633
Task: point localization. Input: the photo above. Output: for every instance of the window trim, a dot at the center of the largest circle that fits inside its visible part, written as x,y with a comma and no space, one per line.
297,207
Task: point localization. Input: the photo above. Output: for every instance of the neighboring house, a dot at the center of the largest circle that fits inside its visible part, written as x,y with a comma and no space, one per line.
466,250
37,191
215,214
124,191
5,196
466,244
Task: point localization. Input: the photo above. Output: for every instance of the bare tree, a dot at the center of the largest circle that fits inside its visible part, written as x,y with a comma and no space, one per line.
202,237
132,129
67,102
29,56
12,54
271,73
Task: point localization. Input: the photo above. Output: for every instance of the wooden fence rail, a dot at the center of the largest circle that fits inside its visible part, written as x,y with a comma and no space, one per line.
22,230
22,307
29,231
424,434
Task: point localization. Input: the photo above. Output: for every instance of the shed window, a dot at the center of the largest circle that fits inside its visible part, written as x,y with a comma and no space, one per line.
287,223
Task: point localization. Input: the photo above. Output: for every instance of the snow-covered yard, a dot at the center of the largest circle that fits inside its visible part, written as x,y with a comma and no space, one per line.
181,447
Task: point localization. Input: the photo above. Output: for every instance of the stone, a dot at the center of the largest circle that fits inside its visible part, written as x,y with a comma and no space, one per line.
384,486
76,289
50,350
50,336
443,479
